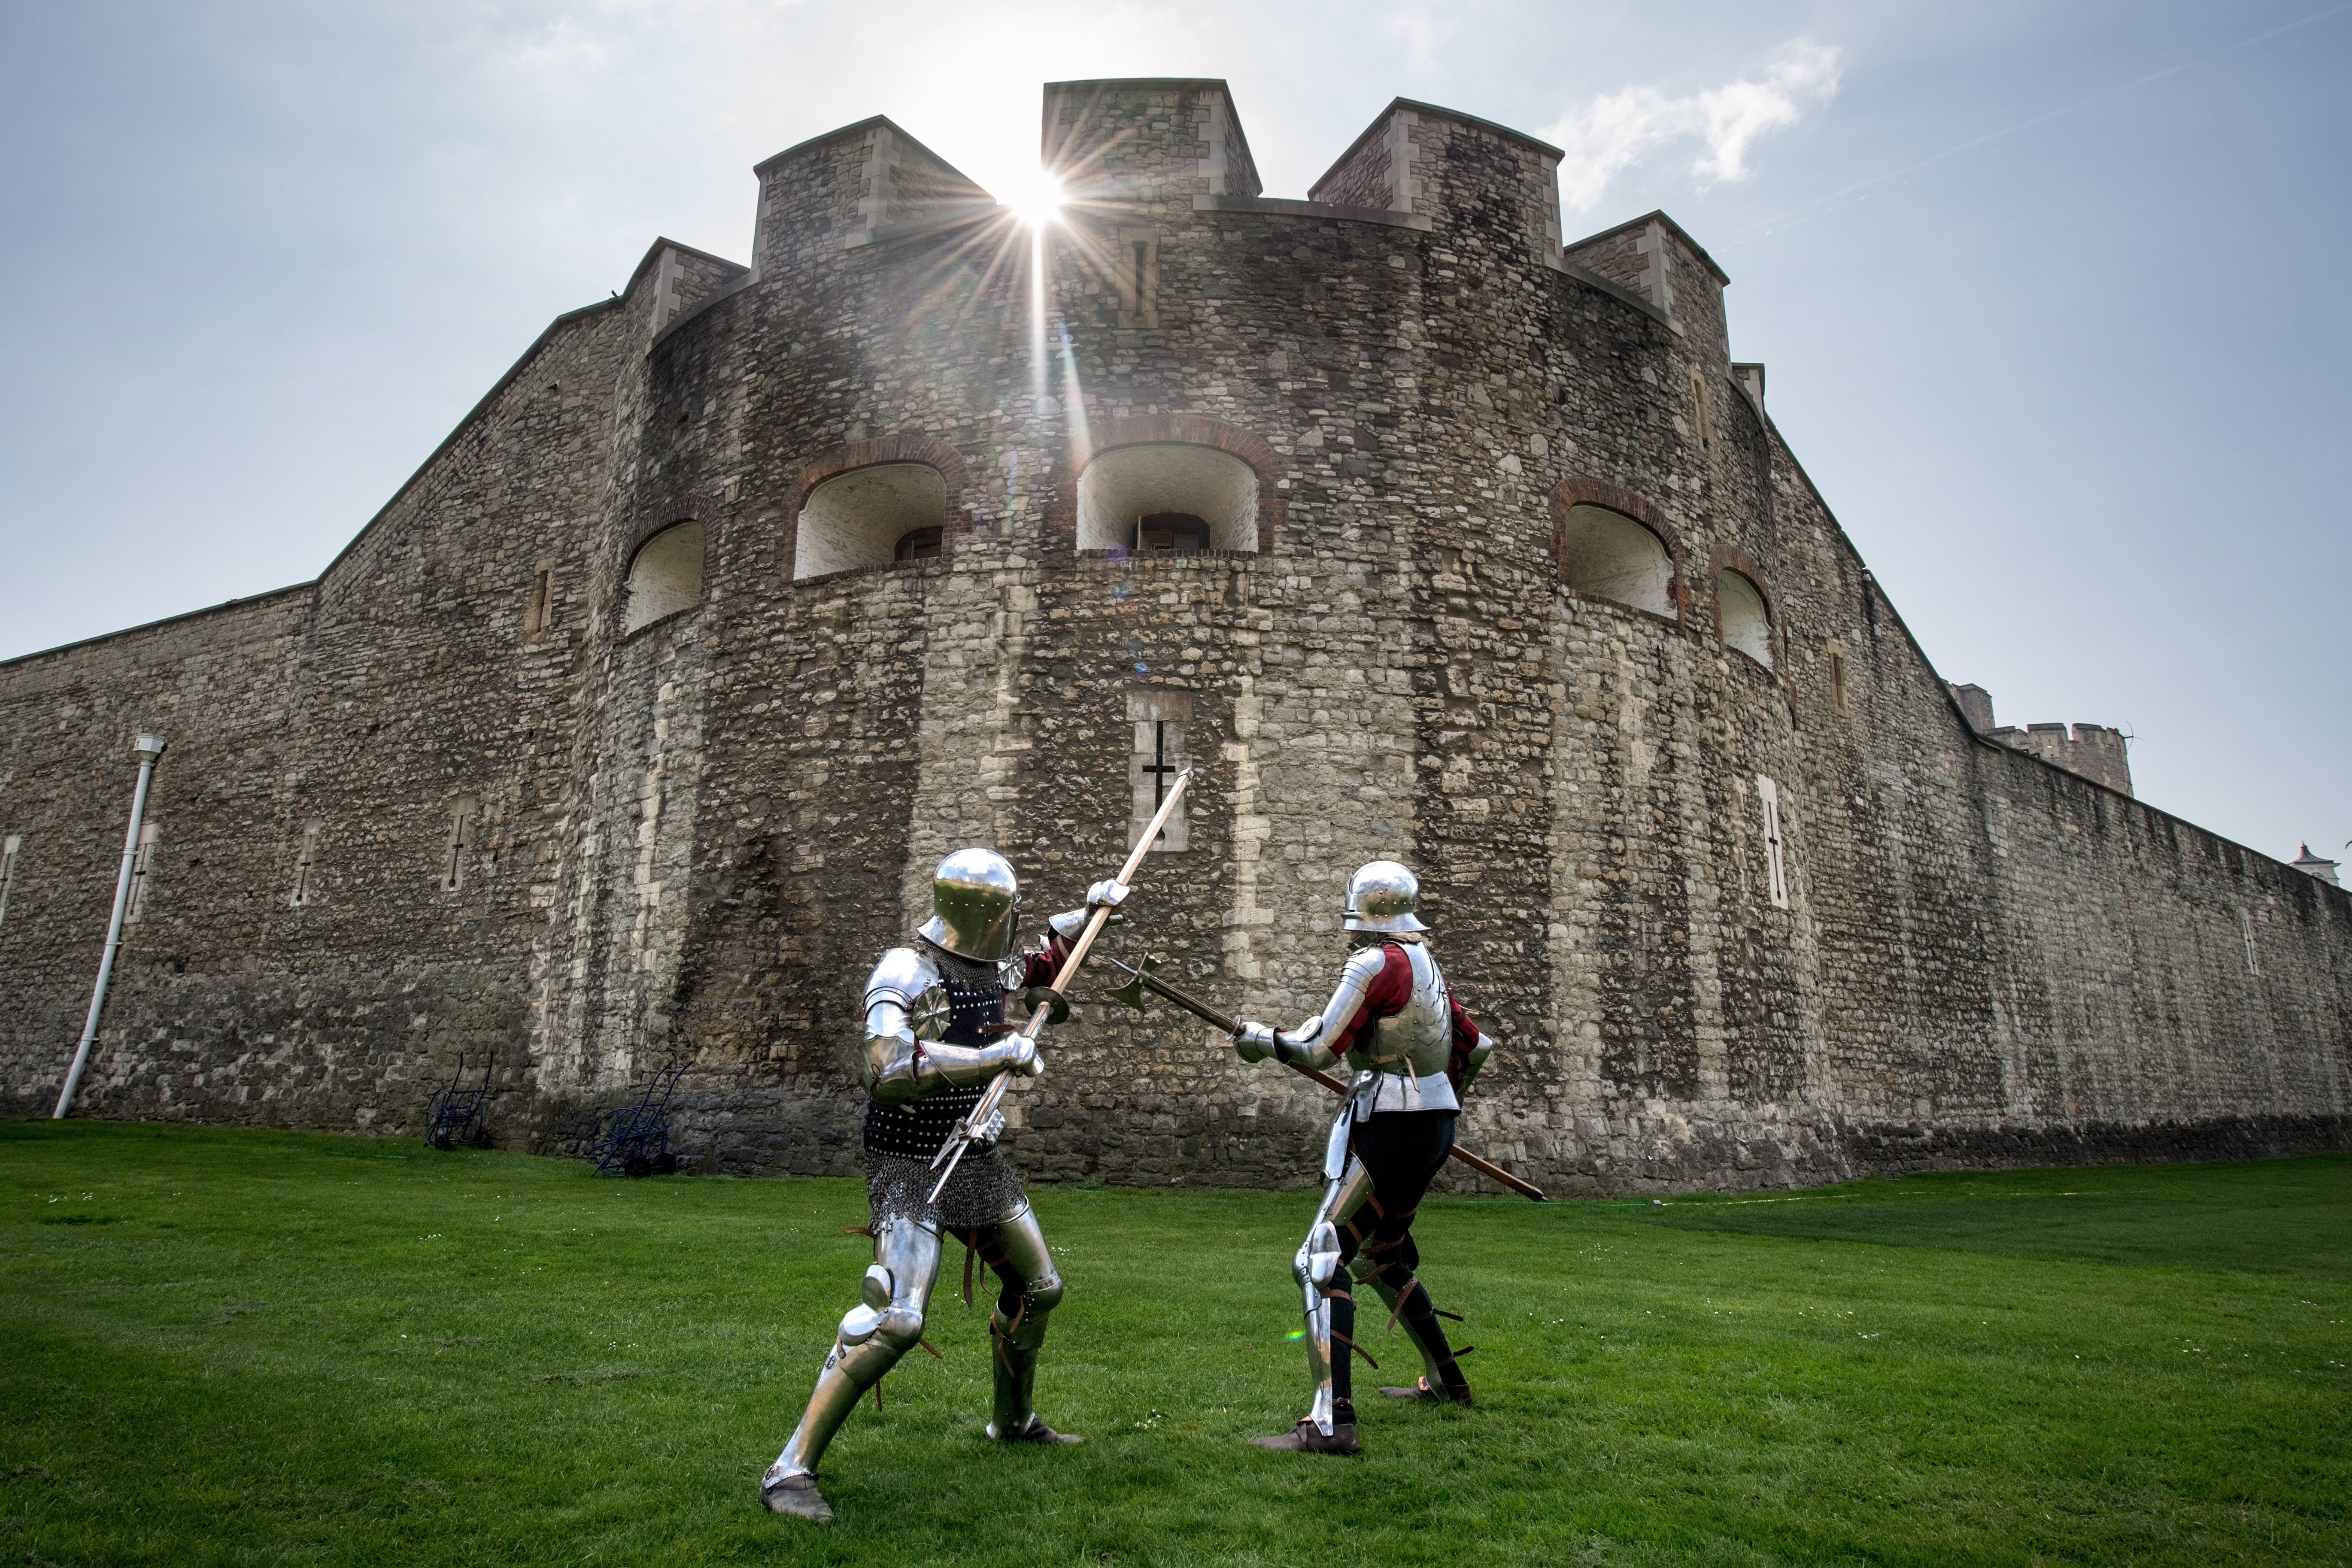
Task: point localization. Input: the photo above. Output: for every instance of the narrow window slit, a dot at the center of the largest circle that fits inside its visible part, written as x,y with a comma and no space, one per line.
302,864
1775,868
142,861
1159,720
453,860
8,847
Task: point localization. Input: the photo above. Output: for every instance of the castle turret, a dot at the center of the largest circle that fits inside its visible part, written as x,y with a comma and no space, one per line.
1430,162
1147,141
1976,705
852,185
1399,529
2325,870
1655,260
2095,750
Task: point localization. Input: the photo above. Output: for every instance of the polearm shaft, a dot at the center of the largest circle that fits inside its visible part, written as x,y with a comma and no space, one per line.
1231,1025
966,1131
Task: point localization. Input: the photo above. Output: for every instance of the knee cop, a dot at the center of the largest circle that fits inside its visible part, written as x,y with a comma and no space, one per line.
897,1324
1318,1259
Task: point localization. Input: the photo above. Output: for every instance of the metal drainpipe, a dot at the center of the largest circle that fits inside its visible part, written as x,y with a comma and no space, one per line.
149,748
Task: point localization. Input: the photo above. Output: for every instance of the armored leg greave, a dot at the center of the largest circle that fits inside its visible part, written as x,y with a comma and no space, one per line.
1017,1329
874,1335
1407,1300
1316,1271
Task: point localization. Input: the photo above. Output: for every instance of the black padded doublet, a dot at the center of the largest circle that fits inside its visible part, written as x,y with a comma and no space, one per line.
916,1130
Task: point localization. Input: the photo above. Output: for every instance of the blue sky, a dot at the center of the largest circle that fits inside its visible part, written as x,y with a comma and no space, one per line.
2050,294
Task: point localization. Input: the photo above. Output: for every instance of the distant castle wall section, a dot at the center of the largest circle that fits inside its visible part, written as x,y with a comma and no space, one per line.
1737,918
394,741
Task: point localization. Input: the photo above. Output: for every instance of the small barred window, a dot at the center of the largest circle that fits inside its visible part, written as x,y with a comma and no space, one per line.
8,847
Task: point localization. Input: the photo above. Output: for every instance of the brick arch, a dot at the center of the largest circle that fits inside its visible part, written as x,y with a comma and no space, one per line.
906,447
1174,430
706,511
1583,489
1731,558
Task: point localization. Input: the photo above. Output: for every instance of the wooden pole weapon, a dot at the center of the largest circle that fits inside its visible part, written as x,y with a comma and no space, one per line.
1144,980
967,1132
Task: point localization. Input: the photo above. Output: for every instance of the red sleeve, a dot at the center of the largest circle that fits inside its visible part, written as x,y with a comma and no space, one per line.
1466,1040
1385,997
1042,965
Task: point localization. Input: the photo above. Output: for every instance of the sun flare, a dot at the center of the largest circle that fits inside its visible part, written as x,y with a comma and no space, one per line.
1036,200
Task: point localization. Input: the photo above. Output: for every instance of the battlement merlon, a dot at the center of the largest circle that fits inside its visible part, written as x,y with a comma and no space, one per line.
2093,751
1655,259
1406,160
1146,141
849,185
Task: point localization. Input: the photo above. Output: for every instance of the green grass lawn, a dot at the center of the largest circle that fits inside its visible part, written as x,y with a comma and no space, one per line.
243,1347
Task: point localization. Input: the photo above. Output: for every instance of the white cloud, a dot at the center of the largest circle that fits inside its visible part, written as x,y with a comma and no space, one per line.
1421,34
1610,133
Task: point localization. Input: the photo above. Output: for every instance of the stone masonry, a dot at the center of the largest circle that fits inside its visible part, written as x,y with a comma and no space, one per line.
1746,915
2094,750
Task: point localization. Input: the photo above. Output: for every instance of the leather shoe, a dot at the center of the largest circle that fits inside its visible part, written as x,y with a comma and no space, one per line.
1307,1439
1035,1432
1421,1390
796,1496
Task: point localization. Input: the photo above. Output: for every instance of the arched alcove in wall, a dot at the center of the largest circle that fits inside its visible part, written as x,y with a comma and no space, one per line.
1739,610
1168,496
665,575
871,516
1608,556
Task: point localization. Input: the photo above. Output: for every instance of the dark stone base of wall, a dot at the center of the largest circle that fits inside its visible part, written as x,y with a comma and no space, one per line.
734,1126
1888,1150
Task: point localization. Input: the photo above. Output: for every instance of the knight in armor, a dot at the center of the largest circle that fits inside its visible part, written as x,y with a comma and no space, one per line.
935,1036
1414,1052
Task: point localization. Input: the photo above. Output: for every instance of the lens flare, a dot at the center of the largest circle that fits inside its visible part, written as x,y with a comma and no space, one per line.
1036,200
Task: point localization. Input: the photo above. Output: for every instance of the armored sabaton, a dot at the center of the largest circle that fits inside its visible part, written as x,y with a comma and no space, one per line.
1414,1052
935,1035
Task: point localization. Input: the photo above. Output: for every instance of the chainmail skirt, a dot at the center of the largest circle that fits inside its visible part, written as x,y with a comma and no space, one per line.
984,1190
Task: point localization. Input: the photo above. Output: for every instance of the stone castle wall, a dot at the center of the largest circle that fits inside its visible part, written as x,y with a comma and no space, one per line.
693,839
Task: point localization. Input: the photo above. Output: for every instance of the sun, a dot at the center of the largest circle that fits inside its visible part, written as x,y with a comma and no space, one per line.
1036,199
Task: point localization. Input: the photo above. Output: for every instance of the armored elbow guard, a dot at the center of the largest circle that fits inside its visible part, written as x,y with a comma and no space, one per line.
1462,1064
1475,1058
890,1065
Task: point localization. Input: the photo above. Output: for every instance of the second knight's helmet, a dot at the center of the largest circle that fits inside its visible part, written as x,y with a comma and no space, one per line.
975,905
1381,897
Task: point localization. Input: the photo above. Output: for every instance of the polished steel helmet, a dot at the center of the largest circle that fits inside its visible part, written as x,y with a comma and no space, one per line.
975,905
1380,898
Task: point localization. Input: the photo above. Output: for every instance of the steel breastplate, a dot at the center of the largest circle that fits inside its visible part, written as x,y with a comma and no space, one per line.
1416,1040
